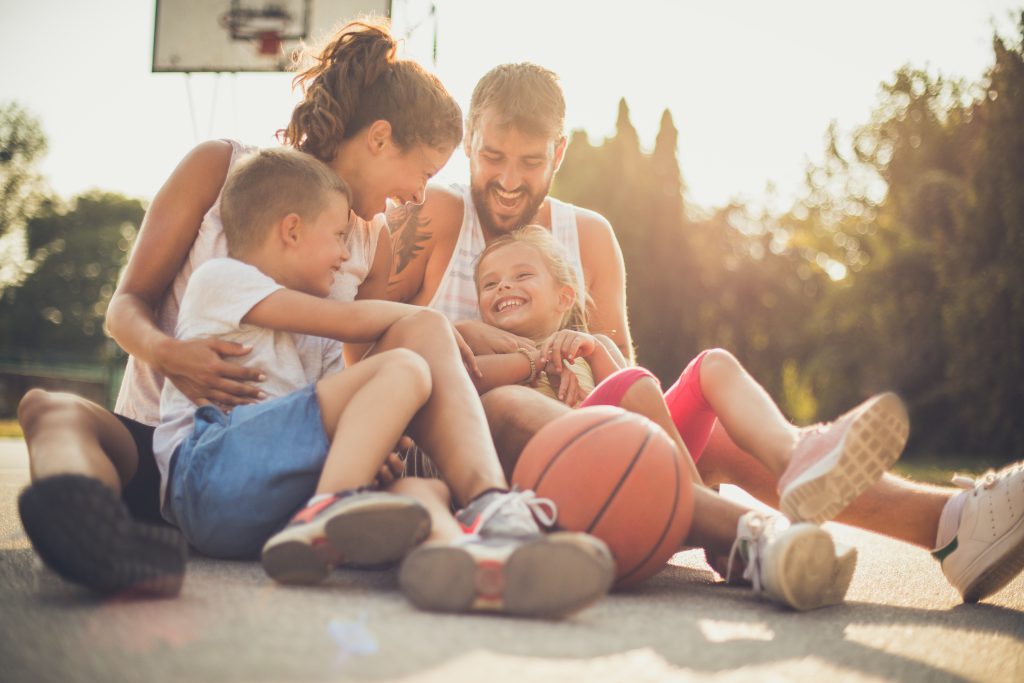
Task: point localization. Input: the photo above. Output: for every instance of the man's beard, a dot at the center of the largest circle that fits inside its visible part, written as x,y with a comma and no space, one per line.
489,224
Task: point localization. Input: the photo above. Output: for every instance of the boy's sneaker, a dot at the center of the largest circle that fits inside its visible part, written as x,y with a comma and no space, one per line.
834,463
83,531
508,514
797,565
986,551
541,576
357,528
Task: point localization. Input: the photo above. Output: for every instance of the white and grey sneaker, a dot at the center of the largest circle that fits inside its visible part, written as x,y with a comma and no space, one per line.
797,565
505,562
547,575
507,514
986,551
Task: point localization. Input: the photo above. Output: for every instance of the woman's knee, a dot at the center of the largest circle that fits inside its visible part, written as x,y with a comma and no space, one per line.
643,391
40,408
425,321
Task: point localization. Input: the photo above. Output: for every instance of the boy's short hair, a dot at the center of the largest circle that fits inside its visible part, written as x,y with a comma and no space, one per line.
526,96
269,185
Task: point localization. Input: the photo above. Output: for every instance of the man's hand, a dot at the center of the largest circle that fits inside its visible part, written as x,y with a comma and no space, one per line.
197,367
486,339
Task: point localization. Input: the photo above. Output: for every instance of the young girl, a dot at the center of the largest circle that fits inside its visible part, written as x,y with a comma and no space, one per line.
526,287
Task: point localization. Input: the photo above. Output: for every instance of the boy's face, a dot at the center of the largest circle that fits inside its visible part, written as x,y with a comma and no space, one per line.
322,249
510,173
517,292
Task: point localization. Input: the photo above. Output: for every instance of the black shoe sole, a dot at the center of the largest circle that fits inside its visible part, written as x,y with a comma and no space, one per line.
84,533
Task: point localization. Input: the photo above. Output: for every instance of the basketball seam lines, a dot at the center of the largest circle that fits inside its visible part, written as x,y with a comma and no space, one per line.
622,480
664,532
576,438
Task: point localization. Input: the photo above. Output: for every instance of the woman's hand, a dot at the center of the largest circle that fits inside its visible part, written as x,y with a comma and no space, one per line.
197,367
486,339
566,345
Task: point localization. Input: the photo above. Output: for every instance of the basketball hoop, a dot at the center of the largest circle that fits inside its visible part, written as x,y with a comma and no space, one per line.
269,43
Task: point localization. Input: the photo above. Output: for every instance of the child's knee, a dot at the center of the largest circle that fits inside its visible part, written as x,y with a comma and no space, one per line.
410,369
719,362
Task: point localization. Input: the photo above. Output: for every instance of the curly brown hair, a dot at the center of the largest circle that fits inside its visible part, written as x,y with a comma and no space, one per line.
356,79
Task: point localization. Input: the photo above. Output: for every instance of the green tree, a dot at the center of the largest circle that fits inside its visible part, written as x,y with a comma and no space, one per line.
79,252
22,144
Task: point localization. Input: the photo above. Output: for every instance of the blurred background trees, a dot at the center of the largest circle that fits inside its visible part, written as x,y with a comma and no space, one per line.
902,266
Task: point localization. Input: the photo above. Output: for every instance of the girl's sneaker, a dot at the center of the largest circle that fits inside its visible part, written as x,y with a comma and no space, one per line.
547,575
834,463
797,565
83,531
984,549
358,528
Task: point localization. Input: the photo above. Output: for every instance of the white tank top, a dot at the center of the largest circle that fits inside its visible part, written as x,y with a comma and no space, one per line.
139,397
456,294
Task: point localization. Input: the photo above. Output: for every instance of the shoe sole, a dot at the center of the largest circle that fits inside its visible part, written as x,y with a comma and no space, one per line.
547,577
1007,565
371,533
807,573
871,446
82,531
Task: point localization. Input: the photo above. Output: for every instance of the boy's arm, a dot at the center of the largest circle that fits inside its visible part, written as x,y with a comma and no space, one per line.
355,321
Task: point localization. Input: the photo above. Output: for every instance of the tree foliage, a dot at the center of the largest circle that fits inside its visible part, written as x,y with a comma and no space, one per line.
901,268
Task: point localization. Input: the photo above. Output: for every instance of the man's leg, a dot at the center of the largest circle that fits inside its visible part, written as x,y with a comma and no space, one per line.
894,506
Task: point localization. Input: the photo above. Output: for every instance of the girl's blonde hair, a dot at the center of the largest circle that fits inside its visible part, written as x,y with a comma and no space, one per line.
553,255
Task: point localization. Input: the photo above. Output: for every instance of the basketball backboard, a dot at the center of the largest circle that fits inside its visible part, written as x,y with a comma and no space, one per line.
245,35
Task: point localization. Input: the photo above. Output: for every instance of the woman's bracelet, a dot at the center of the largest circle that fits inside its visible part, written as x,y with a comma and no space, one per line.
533,365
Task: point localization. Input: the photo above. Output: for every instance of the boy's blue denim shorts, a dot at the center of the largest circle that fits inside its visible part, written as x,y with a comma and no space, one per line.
239,477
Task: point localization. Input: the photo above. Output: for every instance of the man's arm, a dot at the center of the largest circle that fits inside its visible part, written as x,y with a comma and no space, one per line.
605,272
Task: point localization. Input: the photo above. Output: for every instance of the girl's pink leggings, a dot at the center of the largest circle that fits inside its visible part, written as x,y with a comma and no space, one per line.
690,411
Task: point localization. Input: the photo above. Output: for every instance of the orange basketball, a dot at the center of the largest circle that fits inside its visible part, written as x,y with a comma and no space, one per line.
615,475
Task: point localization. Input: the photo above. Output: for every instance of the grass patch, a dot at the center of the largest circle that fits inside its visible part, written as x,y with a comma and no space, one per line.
940,468
10,429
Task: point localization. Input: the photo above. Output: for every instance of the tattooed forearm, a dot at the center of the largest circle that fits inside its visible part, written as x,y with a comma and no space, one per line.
409,231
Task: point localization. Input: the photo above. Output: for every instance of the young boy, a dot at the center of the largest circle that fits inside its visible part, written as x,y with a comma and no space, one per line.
231,479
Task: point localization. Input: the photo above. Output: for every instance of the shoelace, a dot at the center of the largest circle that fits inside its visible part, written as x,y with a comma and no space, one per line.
755,527
543,509
985,481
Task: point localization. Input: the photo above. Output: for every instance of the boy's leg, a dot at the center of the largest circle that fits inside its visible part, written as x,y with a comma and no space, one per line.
344,522
462,450
365,410
81,456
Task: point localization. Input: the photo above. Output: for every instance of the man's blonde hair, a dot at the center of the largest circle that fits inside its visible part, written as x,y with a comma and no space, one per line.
525,96
555,260
267,186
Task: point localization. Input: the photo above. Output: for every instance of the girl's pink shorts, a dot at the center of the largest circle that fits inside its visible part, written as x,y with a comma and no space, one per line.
689,409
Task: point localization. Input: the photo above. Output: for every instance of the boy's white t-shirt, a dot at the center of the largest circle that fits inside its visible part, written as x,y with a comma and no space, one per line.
219,294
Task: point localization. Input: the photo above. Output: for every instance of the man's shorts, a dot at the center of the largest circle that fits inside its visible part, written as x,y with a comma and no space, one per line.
141,494
239,477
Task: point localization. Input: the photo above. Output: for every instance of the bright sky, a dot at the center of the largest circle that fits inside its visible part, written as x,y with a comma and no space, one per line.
752,85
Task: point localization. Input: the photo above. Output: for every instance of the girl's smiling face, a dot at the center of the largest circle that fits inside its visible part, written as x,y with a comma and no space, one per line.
517,293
